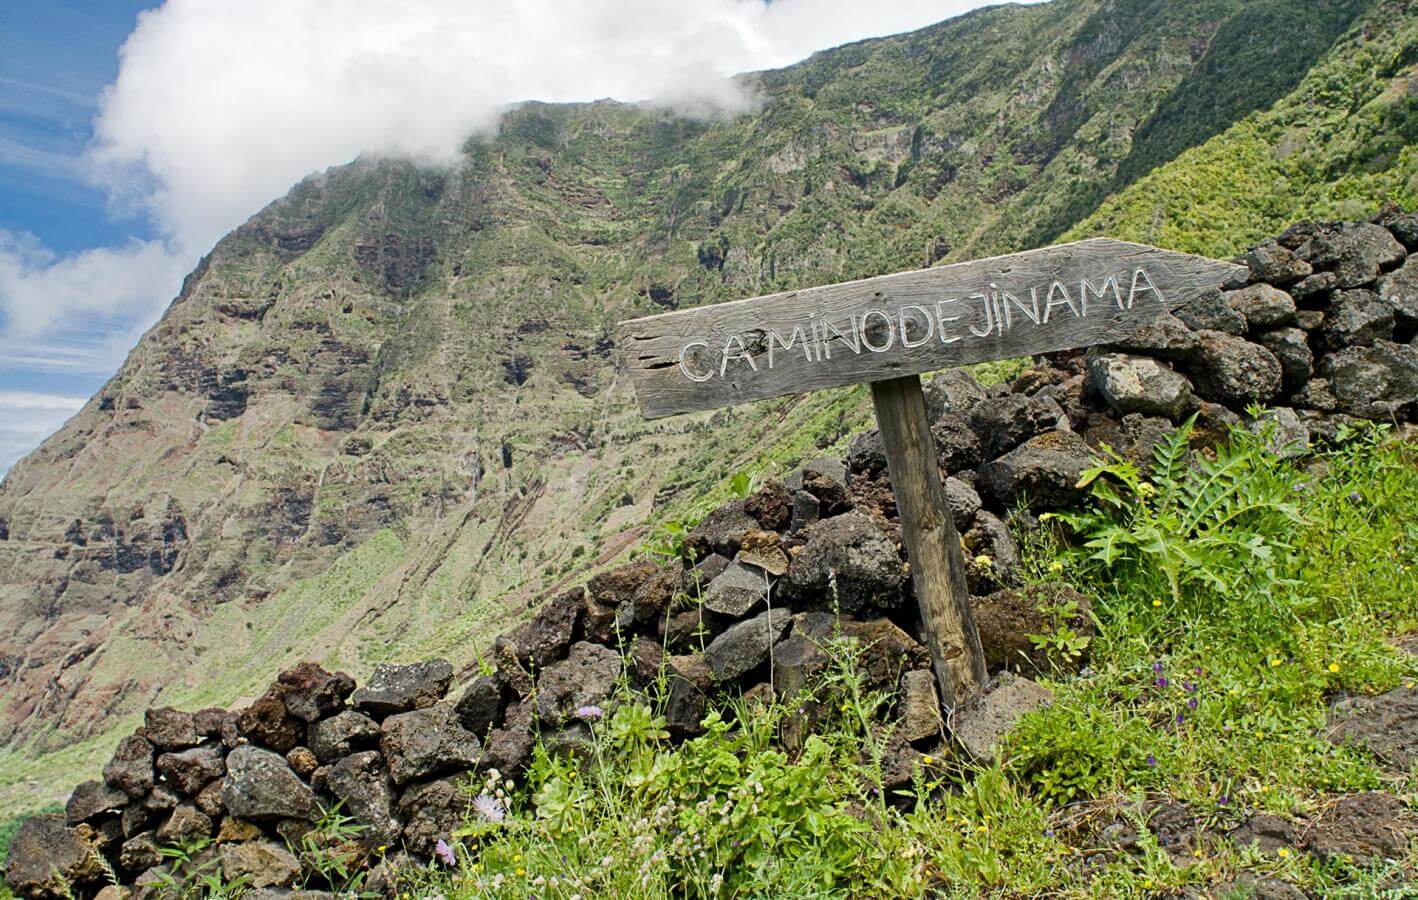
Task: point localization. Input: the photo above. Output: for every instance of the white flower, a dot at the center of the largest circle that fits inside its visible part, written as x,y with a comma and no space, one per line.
490,809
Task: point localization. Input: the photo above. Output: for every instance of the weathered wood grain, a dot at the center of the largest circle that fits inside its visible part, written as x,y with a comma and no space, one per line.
932,543
1057,298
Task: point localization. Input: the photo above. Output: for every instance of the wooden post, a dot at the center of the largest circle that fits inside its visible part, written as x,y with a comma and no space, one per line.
932,543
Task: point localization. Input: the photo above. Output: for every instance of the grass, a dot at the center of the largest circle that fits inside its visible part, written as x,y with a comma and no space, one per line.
1211,693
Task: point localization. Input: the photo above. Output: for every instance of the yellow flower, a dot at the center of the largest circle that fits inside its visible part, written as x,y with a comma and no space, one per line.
1283,852
521,872
1156,602
927,759
1275,662
1334,668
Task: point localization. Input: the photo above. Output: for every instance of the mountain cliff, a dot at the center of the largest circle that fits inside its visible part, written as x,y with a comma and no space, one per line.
385,416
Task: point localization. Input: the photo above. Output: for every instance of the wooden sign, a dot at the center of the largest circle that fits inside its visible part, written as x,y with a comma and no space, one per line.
887,331
1073,295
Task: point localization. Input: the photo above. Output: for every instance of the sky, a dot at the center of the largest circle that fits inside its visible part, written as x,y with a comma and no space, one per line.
133,135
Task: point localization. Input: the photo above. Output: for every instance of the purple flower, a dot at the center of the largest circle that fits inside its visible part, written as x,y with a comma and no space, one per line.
1189,687
589,713
1192,703
1157,667
1181,718
1162,681
1223,800
1355,496
1151,761
444,853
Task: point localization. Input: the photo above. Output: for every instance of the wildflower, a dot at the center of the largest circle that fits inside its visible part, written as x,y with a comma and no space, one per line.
1191,704
1181,718
1189,687
1156,602
490,809
1162,681
1275,662
444,853
1283,852
1334,668
1223,800
588,713
1355,496
1151,761
1157,667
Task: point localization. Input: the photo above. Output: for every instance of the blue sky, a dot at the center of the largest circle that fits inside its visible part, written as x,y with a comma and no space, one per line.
55,59
119,168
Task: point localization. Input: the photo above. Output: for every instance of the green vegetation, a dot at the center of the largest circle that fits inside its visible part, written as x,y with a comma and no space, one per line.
1233,596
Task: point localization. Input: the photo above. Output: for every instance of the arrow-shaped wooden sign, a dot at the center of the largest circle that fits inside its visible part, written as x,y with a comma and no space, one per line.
887,331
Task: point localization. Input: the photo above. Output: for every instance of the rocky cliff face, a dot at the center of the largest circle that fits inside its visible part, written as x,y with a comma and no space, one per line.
1325,330
384,416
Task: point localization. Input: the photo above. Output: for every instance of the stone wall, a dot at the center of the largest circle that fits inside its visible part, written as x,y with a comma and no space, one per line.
1323,332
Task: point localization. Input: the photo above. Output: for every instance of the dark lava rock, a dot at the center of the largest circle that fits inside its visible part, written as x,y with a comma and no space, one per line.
47,857
826,479
93,799
509,748
1139,384
737,591
982,725
855,554
1402,225
258,865
919,706
260,785
1310,289
887,651
587,677
1375,382
651,599
771,506
428,741
1263,306
131,768
139,852
1268,833
867,454
1044,471
209,799
1357,253
991,555
268,722
1007,619
190,770
1363,827
361,782
1133,436
963,501
1399,289
1006,422
395,689
685,702
957,447
1275,264
954,391
302,762
170,729
480,708
309,692
1386,725
744,647
1291,347
1166,337
721,531
546,637
1248,885
1211,312
432,811
1356,318
145,813
341,734
798,660
212,722
186,824
1234,371
806,510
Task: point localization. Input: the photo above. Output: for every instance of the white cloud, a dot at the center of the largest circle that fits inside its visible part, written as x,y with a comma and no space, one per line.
79,313
26,418
226,105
